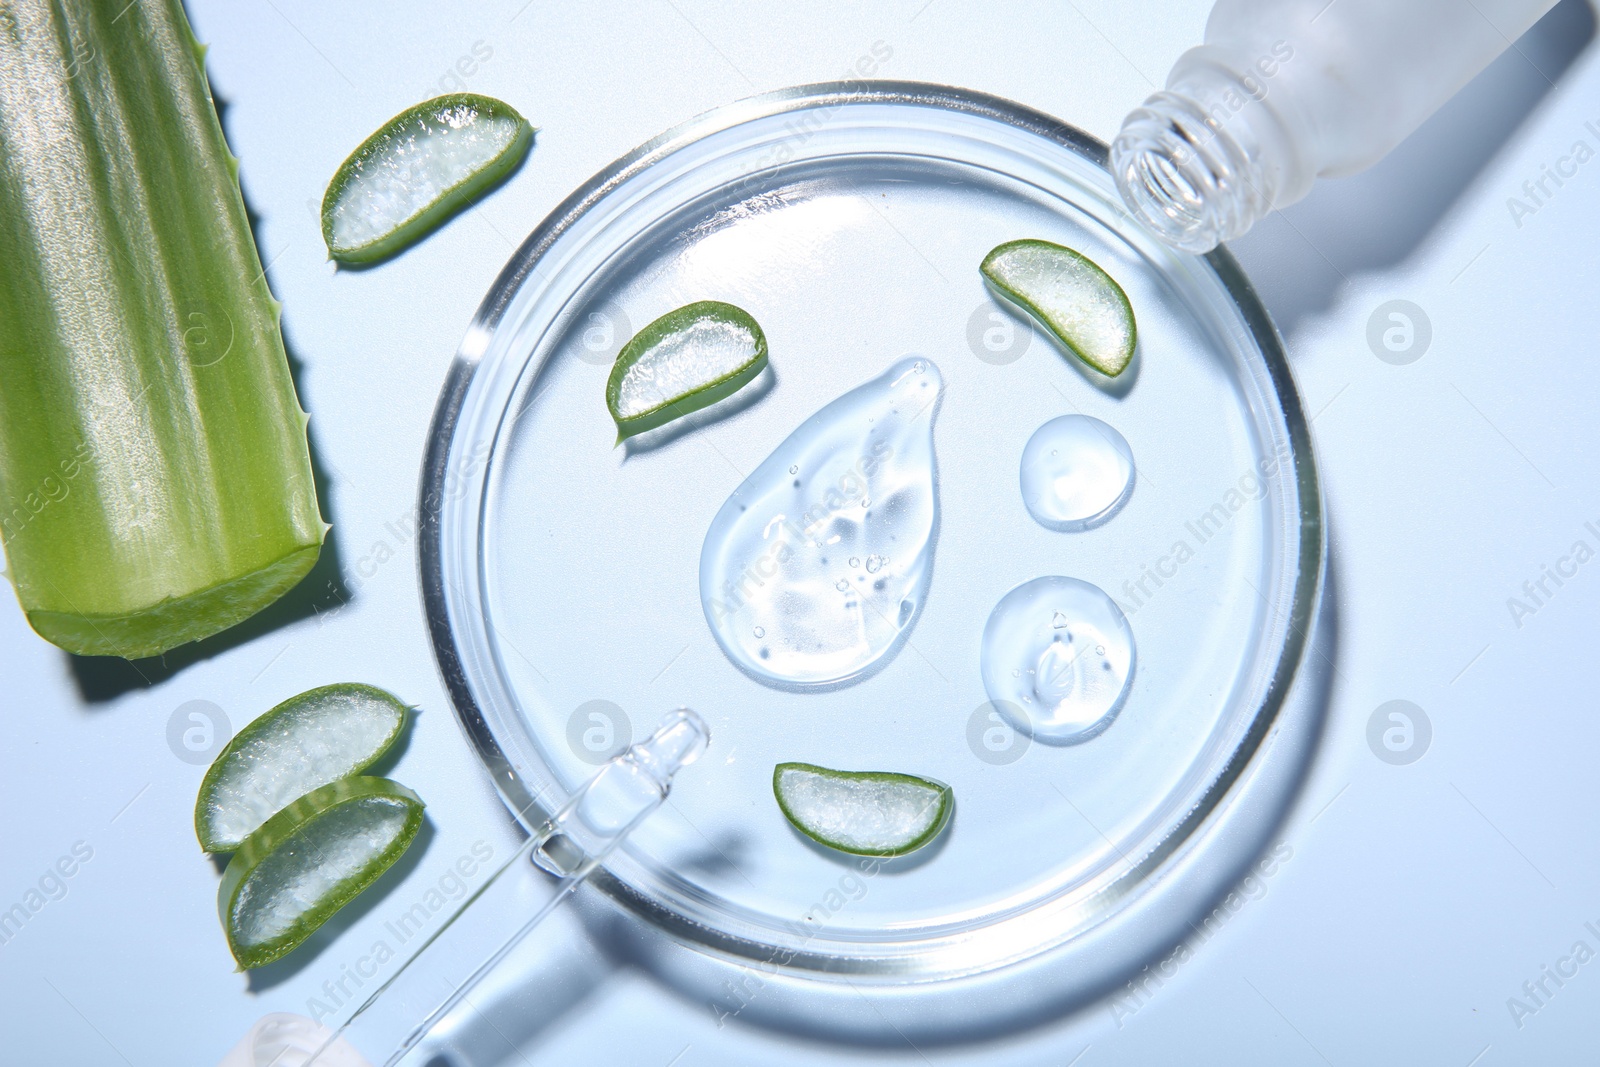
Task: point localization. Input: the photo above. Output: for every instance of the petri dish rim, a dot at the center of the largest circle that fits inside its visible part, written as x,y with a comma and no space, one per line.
455,486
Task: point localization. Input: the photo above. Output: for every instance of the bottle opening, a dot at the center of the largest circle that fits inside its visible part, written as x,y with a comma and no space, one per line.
1184,176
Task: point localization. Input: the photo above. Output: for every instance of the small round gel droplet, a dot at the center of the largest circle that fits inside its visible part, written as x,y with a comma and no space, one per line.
1077,472
1071,696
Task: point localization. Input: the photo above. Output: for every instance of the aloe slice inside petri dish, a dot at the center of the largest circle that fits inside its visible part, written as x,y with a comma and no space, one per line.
1078,303
864,813
686,360
418,170
310,860
307,741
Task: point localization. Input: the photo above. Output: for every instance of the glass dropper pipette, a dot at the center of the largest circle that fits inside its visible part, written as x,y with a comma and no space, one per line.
571,844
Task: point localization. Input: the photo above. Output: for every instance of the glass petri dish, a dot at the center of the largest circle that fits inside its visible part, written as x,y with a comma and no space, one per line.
560,571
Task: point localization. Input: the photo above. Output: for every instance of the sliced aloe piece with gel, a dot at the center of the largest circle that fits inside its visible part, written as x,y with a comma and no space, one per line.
310,860
1081,305
686,360
307,741
419,169
864,813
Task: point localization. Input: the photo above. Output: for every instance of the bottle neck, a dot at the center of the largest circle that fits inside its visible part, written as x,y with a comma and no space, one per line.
1207,157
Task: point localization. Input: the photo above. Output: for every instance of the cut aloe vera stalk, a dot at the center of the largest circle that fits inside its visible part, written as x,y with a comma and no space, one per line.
419,169
1081,305
306,742
310,860
865,813
686,360
155,485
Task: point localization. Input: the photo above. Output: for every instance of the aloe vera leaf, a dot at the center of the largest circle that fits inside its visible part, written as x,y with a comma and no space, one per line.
302,744
864,813
418,170
155,484
686,360
1081,305
310,860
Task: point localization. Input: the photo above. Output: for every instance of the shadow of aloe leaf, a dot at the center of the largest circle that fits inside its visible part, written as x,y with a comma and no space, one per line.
103,678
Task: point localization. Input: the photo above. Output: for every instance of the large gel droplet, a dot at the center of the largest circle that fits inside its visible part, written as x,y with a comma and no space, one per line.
832,565
1077,472
1057,658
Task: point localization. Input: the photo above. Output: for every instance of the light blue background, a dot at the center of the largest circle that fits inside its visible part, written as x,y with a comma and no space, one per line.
1418,898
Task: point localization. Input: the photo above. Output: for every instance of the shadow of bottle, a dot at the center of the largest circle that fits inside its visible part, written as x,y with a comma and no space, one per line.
1299,258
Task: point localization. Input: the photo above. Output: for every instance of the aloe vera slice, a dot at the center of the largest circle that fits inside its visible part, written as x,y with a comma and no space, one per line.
418,170
864,813
1081,305
305,742
155,485
310,860
686,360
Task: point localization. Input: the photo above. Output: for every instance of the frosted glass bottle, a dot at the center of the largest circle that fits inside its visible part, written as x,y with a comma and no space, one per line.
1285,91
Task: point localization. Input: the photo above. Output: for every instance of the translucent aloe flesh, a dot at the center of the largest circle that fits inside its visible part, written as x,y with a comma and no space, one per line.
417,170
309,740
1081,305
686,360
310,860
864,813
155,485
